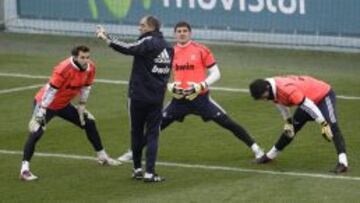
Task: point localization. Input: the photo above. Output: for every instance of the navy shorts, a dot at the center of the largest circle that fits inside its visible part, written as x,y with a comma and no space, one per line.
202,106
69,113
327,107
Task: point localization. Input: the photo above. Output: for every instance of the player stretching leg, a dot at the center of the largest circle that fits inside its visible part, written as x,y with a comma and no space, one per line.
71,77
316,102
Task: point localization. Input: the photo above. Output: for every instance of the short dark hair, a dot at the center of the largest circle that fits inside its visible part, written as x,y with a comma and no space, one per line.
258,87
182,24
75,51
153,22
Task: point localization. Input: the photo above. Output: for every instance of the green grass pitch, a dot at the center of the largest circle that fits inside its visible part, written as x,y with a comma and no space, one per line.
191,143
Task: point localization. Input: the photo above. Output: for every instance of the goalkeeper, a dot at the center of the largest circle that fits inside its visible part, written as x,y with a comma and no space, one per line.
194,70
72,77
316,101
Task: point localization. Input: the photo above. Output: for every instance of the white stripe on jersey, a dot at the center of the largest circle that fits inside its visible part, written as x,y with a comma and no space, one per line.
129,45
48,96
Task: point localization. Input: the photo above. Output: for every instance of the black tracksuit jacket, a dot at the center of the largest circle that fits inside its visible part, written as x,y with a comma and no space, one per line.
151,66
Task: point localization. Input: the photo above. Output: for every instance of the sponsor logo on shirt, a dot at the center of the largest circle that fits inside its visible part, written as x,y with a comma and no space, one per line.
186,66
156,69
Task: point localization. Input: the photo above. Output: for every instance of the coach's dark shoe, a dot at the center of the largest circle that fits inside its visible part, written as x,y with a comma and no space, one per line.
340,168
263,160
153,178
137,174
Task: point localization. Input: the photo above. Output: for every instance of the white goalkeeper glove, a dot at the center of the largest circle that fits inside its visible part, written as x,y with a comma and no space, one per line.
175,90
83,113
289,128
101,33
326,131
194,90
38,119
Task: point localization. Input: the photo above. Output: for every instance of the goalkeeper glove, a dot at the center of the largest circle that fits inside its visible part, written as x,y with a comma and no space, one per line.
101,33
289,128
175,90
194,90
326,131
83,113
38,119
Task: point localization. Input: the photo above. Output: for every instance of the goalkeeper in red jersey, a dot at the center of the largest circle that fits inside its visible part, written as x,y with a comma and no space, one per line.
71,78
316,102
194,70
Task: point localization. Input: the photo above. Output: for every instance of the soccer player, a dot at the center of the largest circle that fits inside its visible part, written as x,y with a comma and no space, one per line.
149,76
316,102
192,62
194,70
70,78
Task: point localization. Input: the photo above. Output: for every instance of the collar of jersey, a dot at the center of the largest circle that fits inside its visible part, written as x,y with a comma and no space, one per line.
273,86
77,67
151,33
185,45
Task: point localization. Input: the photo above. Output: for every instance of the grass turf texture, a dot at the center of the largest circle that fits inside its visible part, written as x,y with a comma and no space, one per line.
191,142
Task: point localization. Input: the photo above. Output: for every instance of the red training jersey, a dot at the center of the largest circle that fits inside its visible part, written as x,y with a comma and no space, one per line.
292,90
69,80
191,62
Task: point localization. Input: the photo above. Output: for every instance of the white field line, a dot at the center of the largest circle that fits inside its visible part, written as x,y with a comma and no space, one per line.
123,82
203,167
17,89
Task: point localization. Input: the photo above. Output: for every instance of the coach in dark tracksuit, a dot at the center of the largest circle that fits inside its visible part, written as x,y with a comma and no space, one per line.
148,80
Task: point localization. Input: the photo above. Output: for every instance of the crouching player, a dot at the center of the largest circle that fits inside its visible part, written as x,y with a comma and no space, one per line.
72,77
316,101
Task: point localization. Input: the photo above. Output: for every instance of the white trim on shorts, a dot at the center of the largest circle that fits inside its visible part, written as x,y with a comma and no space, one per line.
330,108
217,105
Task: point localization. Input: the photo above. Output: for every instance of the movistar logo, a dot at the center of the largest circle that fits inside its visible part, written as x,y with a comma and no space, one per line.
118,8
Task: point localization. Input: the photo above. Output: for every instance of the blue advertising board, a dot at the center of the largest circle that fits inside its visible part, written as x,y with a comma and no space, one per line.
313,17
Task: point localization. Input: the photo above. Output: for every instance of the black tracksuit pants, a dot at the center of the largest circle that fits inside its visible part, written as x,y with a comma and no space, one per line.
145,121
70,114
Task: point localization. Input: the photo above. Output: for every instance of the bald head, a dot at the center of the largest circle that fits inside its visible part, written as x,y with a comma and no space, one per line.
148,24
